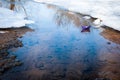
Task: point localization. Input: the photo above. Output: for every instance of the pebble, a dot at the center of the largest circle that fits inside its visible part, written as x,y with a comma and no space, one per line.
13,57
1,70
108,42
18,63
8,61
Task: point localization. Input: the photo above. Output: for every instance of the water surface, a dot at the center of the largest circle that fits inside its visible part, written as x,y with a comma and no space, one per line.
58,50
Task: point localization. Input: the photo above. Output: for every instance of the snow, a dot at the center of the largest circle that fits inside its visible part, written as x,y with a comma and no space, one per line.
97,22
2,32
87,17
106,10
9,18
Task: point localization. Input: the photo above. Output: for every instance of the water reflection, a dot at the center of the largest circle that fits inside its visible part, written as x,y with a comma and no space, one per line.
66,18
52,53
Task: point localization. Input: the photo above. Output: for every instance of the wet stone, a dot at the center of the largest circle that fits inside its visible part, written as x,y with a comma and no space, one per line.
13,57
18,63
7,66
7,62
17,60
108,42
49,57
102,79
40,66
1,63
1,70
5,54
1,57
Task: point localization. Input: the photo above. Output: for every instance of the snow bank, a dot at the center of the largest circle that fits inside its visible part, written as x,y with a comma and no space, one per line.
2,32
9,18
106,10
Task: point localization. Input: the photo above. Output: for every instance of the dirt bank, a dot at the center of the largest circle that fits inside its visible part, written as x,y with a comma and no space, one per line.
9,39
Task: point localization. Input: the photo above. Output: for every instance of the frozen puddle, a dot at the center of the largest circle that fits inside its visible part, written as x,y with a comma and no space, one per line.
57,50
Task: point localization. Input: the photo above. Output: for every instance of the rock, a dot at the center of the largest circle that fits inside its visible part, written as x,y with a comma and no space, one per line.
1,63
16,45
1,58
1,70
108,42
20,44
7,66
5,54
12,57
9,60
102,79
1,73
17,63
16,60
40,66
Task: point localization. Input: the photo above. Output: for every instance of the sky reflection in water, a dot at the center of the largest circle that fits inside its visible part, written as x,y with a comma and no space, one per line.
57,50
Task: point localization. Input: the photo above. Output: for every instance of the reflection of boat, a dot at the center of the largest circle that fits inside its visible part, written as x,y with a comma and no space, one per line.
85,28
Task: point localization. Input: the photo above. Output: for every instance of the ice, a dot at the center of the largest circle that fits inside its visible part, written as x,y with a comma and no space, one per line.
106,10
9,18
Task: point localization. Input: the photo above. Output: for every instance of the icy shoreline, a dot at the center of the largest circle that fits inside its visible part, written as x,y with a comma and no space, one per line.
107,11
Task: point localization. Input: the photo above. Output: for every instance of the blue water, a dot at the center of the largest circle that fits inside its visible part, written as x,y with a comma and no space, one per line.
58,50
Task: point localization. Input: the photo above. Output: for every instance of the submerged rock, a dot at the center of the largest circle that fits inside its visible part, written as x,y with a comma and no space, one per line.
108,42
7,62
13,57
102,79
18,63
10,40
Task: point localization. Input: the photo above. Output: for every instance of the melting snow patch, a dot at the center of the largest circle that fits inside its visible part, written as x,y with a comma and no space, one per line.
87,17
2,32
9,18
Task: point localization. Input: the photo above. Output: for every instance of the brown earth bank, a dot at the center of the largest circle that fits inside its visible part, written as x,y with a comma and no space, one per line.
111,34
9,39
